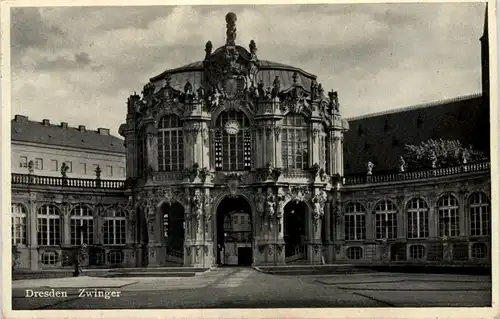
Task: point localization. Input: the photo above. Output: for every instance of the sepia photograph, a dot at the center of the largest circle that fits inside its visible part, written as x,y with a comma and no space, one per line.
251,156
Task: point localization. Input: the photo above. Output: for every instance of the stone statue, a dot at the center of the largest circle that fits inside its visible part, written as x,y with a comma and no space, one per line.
268,93
98,172
196,202
334,101
276,87
314,90
231,28
201,92
401,164
320,91
64,170
31,167
270,203
188,88
369,167
253,47
465,155
260,89
259,203
433,159
208,49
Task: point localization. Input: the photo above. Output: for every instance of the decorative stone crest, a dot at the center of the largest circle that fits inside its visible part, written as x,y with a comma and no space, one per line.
297,193
270,173
259,203
233,180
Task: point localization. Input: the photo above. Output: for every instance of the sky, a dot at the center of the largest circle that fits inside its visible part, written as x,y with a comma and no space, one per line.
80,64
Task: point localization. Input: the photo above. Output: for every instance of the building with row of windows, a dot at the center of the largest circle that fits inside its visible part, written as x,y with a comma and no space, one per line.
238,160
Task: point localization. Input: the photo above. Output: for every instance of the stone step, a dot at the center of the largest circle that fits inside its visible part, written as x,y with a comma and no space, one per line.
149,274
158,269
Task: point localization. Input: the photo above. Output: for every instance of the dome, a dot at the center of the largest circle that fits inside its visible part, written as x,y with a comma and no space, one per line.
267,72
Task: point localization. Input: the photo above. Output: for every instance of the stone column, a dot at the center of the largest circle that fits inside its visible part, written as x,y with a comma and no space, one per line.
315,249
314,147
277,146
400,218
188,230
32,239
65,225
209,258
433,218
462,207
152,146
153,228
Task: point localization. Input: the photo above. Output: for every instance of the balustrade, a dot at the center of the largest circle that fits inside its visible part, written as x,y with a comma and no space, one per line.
437,172
66,182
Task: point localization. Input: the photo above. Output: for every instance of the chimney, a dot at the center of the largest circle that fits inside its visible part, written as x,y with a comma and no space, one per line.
64,124
20,118
45,122
81,128
103,131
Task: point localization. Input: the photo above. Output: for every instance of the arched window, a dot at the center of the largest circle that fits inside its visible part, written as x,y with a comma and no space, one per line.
81,226
170,144
232,142
49,226
480,217
294,142
115,227
141,155
449,221
354,222
418,218
18,224
385,220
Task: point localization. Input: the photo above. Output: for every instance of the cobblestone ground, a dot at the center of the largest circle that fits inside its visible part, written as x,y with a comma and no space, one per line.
248,288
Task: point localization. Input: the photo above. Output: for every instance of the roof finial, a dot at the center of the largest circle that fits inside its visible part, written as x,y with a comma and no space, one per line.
231,28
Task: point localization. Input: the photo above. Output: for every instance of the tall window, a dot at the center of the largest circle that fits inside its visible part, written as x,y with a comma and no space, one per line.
232,142
115,227
480,217
141,151
18,224
170,144
354,222
449,223
294,142
49,226
418,218
23,161
81,226
385,220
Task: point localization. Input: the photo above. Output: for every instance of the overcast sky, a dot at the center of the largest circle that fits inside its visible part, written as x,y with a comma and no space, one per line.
79,64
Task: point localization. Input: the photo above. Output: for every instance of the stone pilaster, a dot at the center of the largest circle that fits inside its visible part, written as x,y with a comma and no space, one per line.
152,146
314,148
32,239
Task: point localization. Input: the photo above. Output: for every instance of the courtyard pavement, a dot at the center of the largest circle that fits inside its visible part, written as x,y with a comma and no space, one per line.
248,288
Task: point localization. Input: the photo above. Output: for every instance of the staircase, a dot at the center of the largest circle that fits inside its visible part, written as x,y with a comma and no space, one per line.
297,255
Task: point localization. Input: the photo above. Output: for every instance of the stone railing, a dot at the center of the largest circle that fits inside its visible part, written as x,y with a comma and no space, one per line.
26,179
296,173
406,176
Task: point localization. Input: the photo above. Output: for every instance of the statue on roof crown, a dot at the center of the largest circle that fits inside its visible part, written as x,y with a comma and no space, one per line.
231,28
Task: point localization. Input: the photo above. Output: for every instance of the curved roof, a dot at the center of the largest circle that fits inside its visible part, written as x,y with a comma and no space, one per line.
268,70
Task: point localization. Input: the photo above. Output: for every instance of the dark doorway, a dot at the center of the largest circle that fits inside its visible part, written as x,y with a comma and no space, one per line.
294,228
173,228
234,232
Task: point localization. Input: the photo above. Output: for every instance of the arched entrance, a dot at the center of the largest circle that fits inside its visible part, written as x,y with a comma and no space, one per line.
234,232
295,230
173,231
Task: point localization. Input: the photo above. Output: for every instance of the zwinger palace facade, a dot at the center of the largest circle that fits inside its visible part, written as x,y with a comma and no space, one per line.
235,160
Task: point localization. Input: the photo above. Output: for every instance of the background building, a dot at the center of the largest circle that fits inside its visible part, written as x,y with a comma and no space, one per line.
237,160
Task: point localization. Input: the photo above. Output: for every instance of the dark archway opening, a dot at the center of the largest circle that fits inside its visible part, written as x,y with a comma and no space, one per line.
234,232
173,229
295,229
